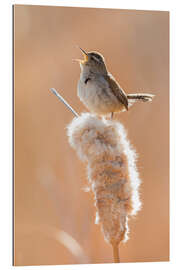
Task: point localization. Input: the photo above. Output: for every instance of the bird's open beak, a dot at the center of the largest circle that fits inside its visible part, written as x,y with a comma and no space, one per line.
85,57
84,53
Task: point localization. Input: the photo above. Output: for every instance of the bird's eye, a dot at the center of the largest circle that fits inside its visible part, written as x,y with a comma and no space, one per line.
97,58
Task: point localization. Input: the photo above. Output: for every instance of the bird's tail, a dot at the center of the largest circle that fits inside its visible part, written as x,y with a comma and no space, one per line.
140,97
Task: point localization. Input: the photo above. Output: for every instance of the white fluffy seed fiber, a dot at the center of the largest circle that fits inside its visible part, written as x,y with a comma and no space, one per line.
112,172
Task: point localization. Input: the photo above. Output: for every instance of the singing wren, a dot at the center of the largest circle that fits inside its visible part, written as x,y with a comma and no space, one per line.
98,89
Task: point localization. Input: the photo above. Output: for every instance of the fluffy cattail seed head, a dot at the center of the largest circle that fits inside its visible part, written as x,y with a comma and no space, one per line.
112,172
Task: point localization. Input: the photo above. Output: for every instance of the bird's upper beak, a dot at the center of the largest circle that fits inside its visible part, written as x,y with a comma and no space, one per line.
84,53
85,57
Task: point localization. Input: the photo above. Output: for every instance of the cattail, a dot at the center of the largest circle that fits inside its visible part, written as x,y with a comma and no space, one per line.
112,172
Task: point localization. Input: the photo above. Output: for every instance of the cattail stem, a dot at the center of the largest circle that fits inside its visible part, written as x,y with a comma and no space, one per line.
64,101
116,253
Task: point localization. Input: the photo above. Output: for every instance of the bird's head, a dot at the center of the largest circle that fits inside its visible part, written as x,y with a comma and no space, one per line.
94,61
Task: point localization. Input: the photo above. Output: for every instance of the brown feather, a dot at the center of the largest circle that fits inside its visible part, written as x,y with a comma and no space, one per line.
117,90
140,96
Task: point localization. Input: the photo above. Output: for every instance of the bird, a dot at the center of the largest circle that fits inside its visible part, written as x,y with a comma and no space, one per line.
98,89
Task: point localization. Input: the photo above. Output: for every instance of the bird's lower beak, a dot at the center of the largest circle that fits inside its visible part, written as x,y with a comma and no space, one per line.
82,61
77,60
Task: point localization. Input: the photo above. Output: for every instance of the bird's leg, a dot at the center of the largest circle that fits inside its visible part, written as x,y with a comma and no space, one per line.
112,115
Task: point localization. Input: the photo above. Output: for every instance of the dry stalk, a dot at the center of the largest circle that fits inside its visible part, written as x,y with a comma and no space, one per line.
116,253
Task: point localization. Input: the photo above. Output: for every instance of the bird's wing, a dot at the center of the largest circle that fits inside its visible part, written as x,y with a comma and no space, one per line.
117,90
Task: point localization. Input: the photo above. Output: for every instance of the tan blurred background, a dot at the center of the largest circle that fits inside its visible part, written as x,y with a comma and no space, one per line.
54,217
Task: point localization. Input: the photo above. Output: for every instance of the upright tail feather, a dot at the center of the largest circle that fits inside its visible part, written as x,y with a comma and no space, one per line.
140,97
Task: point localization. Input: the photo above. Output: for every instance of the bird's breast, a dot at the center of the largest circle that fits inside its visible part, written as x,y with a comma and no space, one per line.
97,96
